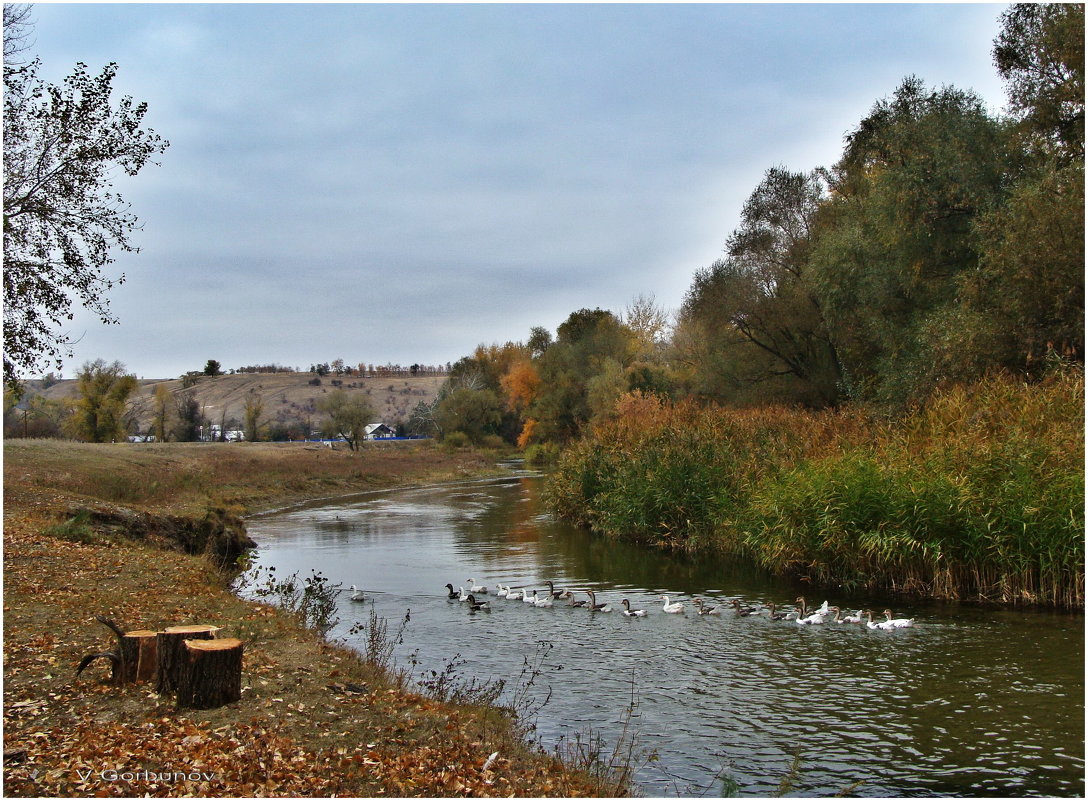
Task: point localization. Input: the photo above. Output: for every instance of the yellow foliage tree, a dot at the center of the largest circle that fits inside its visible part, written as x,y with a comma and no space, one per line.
520,385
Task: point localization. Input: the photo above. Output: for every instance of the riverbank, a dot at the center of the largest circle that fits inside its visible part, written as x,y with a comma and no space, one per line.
315,719
977,495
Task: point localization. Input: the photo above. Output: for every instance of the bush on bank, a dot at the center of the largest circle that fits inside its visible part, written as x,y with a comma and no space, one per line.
978,494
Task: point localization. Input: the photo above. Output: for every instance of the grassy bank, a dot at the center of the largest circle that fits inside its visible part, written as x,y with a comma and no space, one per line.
315,719
977,495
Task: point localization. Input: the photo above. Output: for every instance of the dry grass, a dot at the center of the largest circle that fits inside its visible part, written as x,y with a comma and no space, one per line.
187,478
314,719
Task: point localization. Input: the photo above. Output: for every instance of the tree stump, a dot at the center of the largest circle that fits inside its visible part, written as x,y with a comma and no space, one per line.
139,657
171,653
211,673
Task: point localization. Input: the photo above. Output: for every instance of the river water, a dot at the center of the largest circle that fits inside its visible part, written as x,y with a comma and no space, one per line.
968,702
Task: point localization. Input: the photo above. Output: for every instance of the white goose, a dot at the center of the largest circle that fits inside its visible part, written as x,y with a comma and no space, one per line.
545,602
513,595
463,596
527,598
676,608
883,626
899,622
849,618
816,618
357,594
502,591
475,588
629,612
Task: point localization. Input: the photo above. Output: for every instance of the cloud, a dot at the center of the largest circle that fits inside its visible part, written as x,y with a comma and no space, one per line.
407,181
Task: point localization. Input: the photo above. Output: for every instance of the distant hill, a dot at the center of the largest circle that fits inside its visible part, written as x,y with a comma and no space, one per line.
288,398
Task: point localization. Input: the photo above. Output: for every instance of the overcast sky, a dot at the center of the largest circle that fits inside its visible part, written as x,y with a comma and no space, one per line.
399,183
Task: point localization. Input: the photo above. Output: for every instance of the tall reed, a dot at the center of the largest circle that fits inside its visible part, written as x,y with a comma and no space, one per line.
977,494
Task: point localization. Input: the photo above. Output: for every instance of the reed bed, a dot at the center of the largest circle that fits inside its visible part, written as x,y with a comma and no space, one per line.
978,494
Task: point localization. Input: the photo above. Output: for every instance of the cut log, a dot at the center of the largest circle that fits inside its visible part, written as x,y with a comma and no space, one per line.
139,656
211,673
171,653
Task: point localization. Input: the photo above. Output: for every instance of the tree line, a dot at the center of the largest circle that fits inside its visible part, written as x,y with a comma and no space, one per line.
945,244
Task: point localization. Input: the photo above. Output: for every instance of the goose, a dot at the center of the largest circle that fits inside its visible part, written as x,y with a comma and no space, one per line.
742,611
704,609
823,610
473,587
475,605
776,615
463,596
814,618
502,591
554,592
629,612
883,626
672,608
849,618
545,602
594,606
514,595
357,594
572,602
452,592
899,622
526,597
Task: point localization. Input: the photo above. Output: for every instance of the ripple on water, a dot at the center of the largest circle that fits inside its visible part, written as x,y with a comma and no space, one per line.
950,707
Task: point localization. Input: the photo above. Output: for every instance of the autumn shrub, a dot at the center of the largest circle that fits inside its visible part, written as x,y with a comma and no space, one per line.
456,440
978,493
541,454
312,600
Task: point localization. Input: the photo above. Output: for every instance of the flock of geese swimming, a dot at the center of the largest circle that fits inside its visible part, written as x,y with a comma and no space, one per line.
801,615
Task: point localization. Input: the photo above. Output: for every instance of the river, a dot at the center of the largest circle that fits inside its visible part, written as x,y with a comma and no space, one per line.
968,702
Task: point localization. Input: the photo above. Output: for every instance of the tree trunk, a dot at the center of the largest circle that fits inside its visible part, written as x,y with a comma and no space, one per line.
171,653
210,674
139,657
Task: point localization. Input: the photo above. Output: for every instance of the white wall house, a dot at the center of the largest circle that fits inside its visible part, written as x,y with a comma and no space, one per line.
378,431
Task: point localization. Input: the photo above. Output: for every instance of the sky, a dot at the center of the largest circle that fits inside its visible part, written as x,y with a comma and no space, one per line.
400,183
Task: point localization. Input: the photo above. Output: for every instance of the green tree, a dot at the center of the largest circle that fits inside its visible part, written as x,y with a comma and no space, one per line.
213,368
62,218
102,392
751,317
348,416
897,235
253,414
161,406
475,412
1026,299
1039,52
188,417
590,343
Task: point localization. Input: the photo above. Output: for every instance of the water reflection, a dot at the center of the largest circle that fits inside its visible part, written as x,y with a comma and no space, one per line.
971,702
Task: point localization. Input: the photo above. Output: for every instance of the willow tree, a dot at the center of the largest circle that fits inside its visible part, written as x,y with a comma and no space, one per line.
1029,289
750,324
98,411
897,235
